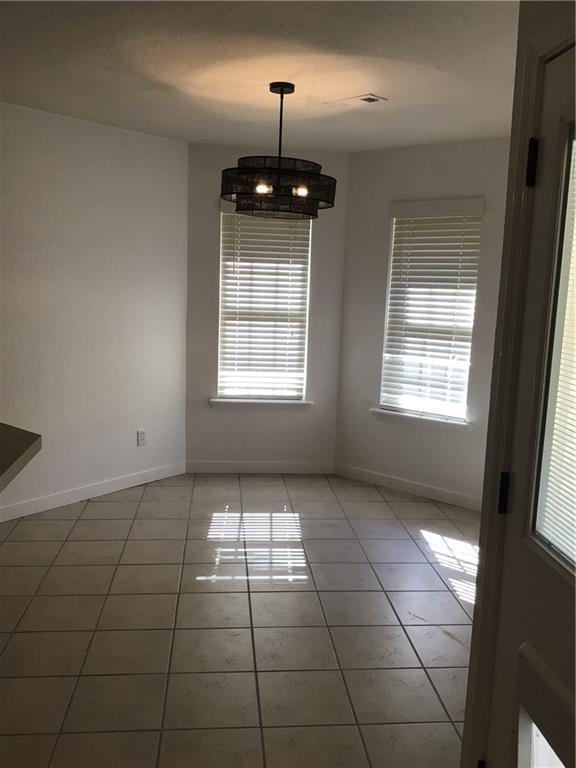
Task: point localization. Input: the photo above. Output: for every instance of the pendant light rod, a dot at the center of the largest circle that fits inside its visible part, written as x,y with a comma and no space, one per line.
281,89
280,129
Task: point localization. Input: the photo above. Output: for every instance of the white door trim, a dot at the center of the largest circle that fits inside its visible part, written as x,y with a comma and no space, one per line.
546,29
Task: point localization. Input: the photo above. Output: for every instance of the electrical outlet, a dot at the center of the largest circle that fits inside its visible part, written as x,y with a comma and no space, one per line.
140,437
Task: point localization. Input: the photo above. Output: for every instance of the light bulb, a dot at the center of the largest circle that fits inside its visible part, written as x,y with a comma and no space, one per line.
300,191
263,189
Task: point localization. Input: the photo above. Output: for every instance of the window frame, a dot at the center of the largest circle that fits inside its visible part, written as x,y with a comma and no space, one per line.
562,272
273,400
440,207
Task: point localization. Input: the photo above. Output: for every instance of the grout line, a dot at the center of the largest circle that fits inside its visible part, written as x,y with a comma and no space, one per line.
337,668
232,728
173,635
253,641
342,675
259,626
78,677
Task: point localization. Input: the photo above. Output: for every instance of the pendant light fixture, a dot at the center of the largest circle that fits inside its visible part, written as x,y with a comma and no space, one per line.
278,187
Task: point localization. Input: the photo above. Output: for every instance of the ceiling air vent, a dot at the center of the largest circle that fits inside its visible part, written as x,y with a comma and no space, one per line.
358,101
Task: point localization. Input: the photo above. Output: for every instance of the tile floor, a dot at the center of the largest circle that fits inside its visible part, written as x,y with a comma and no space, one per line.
237,622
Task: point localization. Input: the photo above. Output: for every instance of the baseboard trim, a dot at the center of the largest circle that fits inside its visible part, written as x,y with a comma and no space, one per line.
261,467
409,486
53,500
42,503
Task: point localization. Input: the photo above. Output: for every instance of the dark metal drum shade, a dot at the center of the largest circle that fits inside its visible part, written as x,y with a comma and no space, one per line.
287,188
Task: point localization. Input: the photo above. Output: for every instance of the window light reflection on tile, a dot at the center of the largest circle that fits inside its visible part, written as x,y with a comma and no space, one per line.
279,577
224,525
283,576
464,590
264,526
213,577
225,555
461,561
276,557
452,552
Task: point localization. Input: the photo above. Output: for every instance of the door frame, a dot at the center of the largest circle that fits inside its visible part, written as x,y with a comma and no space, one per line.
544,32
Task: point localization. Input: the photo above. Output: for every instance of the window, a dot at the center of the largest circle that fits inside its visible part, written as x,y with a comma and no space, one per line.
556,508
430,307
264,280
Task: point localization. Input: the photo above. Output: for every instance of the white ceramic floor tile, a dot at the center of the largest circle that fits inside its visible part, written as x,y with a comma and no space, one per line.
334,551
212,748
428,608
326,529
157,510
217,552
279,648
392,551
304,698
426,529
275,553
267,507
213,700
357,493
379,529
408,576
216,509
216,493
215,610
373,647
470,530
367,510
357,608
442,646
413,510
454,512
344,576
393,696
417,745
282,579
451,685
212,650
208,577
167,493
336,746
286,609
270,493
391,495
311,493
318,509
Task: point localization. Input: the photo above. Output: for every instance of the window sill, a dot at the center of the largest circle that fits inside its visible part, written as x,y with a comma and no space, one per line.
383,413
230,402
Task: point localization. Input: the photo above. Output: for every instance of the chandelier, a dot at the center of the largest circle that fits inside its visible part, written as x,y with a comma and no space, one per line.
278,187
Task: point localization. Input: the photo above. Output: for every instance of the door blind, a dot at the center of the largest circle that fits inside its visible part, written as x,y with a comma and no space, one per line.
430,314
556,512
264,281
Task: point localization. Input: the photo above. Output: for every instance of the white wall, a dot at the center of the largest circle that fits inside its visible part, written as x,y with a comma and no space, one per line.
427,456
96,319
250,438
93,296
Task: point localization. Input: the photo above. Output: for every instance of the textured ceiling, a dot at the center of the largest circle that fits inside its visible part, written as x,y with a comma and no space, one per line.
199,71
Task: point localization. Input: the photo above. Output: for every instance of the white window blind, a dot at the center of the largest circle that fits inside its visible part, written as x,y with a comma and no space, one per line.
430,308
264,281
556,511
